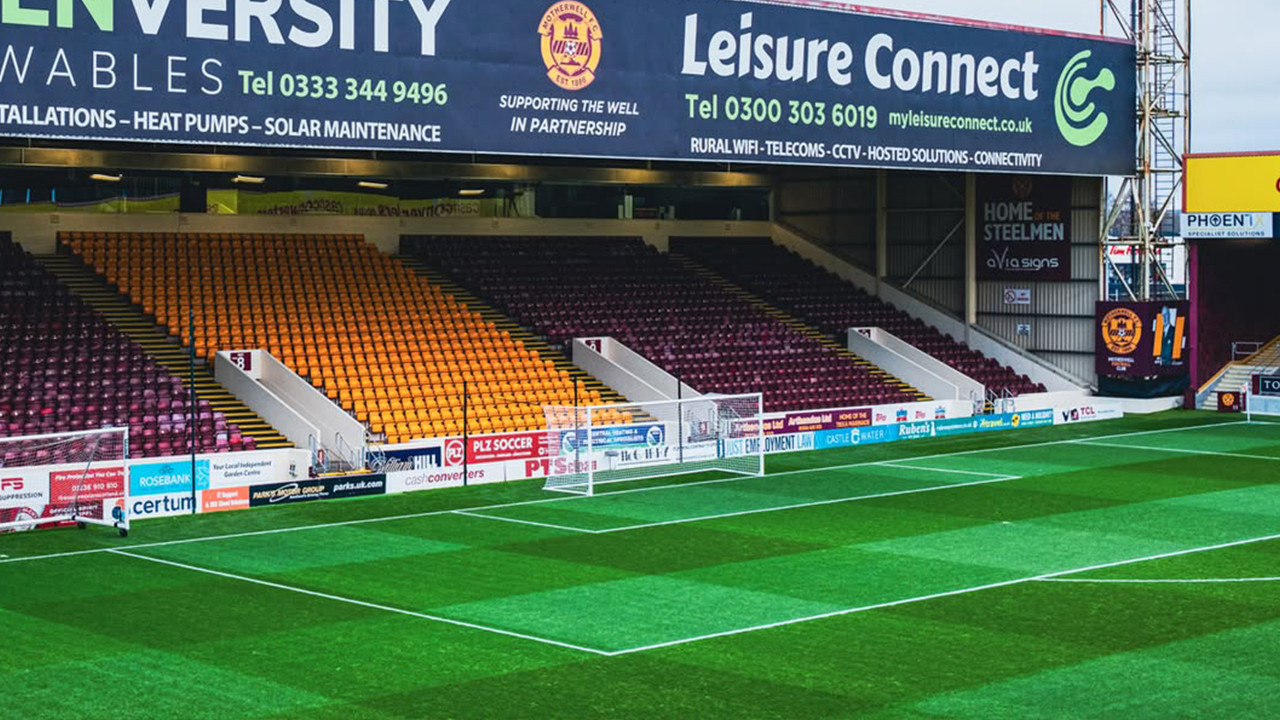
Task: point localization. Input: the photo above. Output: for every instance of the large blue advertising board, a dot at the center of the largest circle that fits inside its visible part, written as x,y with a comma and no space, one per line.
166,477
661,79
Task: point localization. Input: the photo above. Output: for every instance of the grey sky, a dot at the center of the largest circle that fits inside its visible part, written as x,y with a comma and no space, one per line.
1235,59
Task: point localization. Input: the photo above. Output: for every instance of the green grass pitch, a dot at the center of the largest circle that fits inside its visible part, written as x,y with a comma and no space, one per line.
1123,569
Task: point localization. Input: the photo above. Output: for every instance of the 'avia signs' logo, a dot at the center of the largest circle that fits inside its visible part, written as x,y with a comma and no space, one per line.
1079,120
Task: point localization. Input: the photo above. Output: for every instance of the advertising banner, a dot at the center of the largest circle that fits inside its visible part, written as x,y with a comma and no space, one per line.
161,505
1233,183
662,79
914,412
317,489
1266,385
1142,339
224,499
515,446
797,422
619,436
24,488
1231,402
1227,226
1091,412
855,437
329,202
1024,229
173,476
241,469
78,485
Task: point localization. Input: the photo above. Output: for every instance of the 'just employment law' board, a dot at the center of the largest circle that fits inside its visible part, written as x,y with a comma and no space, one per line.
661,79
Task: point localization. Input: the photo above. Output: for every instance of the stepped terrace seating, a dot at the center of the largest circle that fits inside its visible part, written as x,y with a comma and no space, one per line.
390,347
64,369
565,288
833,305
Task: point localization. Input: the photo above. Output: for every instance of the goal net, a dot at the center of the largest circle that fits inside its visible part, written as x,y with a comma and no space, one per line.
76,477
1262,398
591,445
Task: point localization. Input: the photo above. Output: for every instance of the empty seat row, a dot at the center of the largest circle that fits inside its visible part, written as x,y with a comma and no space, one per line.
834,305
566,288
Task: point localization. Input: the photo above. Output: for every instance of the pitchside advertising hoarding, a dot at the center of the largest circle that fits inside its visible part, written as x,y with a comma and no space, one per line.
1142,339
1229,226
663,79
1024,228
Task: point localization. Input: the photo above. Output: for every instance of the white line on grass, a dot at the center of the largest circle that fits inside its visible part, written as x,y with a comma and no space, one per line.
524,522
1168,581
412,516
361,603
1179,451
952,593
898,464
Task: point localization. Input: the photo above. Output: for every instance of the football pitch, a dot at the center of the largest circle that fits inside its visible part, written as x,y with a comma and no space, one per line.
1122,569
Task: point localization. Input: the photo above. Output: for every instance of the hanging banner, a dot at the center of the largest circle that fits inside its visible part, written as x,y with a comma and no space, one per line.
1142,339
1024,229
1228,226
663,79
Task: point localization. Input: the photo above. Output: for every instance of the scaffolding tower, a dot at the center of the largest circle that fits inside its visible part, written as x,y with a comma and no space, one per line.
1144,213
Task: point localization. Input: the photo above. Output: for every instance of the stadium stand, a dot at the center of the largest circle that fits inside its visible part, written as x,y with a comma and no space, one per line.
834,305
565,288
393,349
63,368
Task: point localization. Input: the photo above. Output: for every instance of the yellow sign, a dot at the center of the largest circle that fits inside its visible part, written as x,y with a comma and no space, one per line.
571,44
1233,183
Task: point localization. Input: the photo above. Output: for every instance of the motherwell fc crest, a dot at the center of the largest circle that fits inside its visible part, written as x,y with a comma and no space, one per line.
1121,331
571,43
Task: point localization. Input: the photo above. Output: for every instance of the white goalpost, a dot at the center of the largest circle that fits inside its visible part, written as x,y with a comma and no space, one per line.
593,445
79,477
1262,398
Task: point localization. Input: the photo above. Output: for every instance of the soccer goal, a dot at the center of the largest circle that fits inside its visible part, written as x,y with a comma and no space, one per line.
79,477
592,445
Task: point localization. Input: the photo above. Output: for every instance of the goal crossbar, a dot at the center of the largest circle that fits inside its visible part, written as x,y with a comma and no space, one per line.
588,446
52,478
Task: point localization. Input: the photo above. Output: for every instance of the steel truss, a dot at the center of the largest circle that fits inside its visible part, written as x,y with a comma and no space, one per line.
1144,213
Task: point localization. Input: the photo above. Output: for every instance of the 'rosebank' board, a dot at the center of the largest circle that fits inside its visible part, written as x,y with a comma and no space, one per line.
663,79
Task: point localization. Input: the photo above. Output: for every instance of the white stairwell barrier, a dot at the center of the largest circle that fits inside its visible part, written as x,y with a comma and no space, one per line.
306,416
1054,379
627,372
908,363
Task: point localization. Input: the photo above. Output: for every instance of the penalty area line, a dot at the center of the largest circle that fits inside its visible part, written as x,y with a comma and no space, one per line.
518,521
951,593
1161,581
360,603
1179,451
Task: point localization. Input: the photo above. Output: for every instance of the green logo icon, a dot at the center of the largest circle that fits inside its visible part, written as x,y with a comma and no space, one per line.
1079,120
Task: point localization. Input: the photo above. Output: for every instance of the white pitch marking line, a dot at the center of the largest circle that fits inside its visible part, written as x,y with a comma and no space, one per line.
952,593
1179,451
361,603
897,464
524,522
1169,581
412,516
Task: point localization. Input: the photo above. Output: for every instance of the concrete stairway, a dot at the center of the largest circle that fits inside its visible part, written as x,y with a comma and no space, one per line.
1238,374
735,290
167,351
518,332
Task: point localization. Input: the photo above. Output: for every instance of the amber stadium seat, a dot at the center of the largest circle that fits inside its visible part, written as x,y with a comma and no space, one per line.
369,333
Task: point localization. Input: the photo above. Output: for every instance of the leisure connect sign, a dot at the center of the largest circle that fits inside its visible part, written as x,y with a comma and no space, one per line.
663,79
